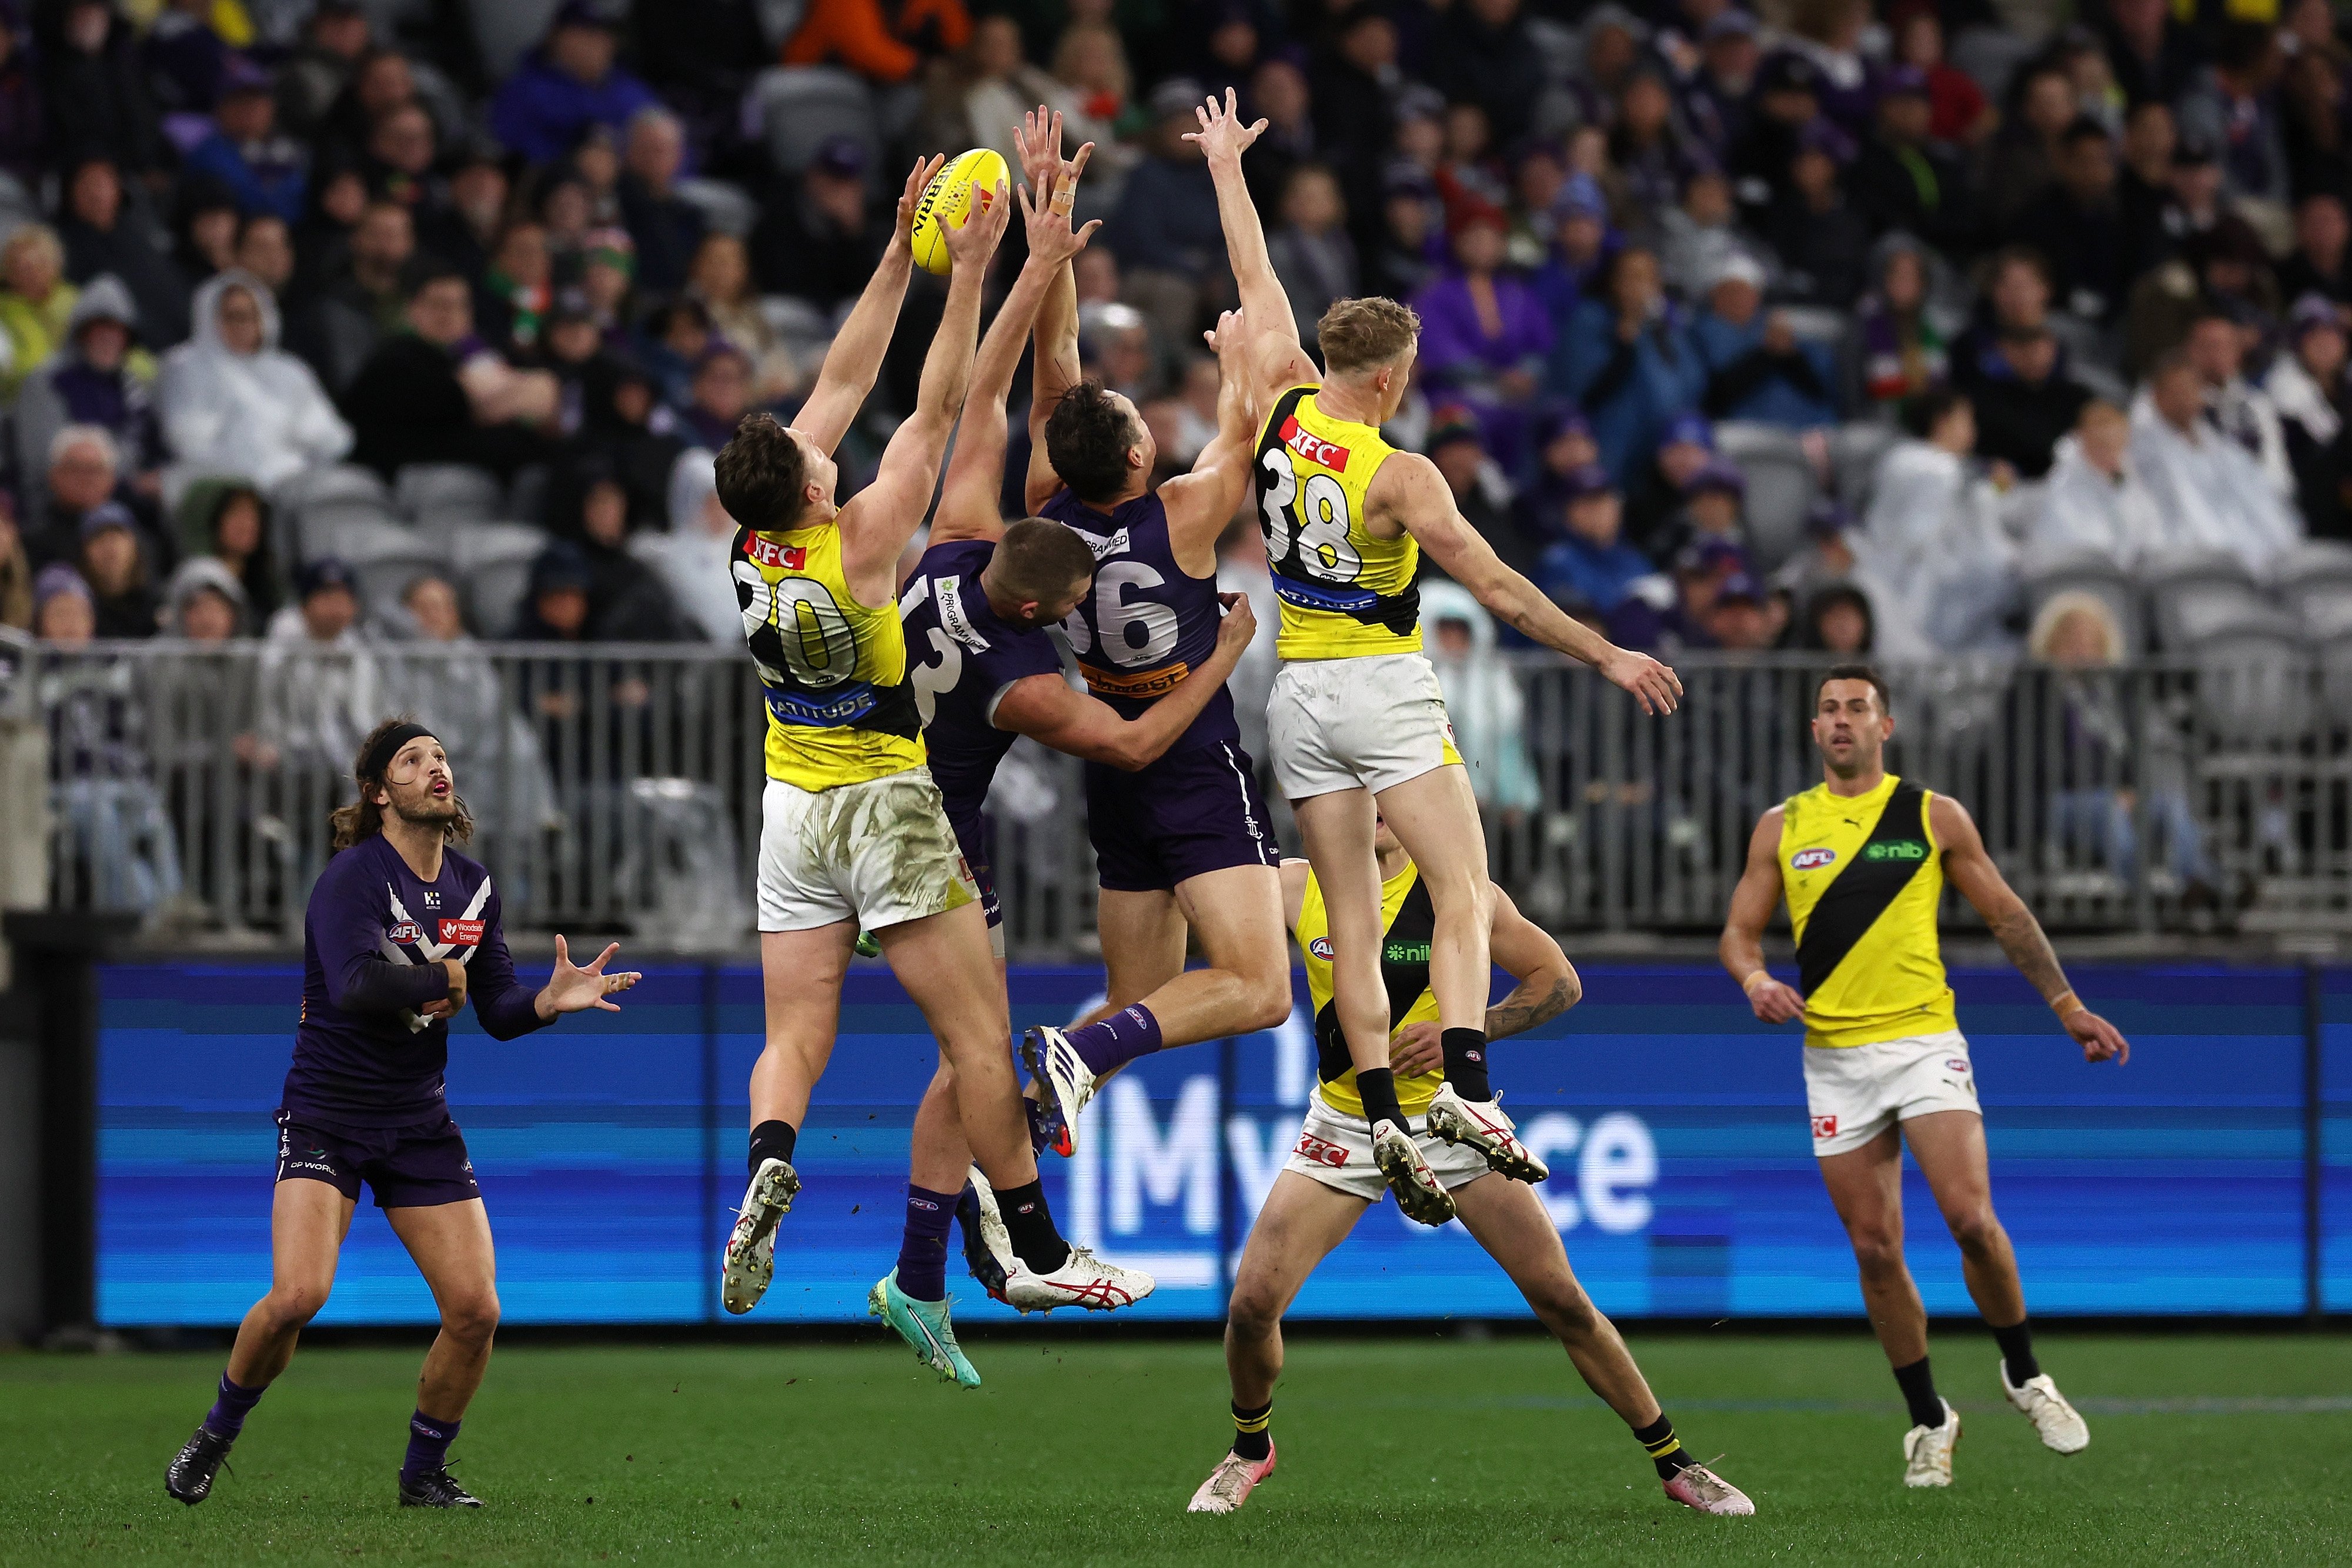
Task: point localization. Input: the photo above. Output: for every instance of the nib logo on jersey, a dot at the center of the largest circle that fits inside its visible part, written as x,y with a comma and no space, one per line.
1176,1155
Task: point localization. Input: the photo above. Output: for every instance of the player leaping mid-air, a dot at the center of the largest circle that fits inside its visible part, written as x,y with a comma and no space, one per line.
1330,1181
400,931
1357,722
1185,839
853,832
985,672
1862,857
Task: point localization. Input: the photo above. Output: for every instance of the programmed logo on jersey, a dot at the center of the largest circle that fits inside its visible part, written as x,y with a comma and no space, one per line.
1314,448
1812,860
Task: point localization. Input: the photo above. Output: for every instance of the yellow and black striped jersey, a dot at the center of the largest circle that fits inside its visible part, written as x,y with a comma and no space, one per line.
1864,876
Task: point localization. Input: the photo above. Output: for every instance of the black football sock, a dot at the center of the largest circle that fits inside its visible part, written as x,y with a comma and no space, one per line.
1919,1392
1465,1063
1376,1087
2017,1352
1027,1220
1252,1436
773,1141
1665,1449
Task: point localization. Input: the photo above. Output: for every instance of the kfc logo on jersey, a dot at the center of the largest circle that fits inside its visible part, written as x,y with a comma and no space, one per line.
1315,1149
1313,447
406,931
1321,948
1959,1064
462,933
768,552
1812,860
1825,1126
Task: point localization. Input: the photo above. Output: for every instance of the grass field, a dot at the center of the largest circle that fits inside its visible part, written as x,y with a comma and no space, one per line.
1392,1451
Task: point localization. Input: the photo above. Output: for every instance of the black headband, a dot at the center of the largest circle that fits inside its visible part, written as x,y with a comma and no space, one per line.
387,747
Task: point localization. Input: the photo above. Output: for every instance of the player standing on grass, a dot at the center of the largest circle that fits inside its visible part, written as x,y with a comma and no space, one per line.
1330,1181
975,615
1862,857
1357,722
1185,839
853,832
400,930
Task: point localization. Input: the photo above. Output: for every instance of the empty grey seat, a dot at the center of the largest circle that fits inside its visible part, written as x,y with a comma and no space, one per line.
334,482
337,528
2210,576
802,107
493,565
1781,487
2044,574
386,561
2324,610
2314,578
1854,450
2254,682
505,30
427,492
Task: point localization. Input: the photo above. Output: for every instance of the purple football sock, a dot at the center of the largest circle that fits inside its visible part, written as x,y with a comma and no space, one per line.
1125,1035
236,1403
429,1437
923,1248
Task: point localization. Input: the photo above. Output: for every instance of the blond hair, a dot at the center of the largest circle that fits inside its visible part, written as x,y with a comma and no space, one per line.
1359,335
2062,608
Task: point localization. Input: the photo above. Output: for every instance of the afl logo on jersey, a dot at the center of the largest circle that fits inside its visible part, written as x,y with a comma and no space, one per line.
1812,860
1321,948
406,931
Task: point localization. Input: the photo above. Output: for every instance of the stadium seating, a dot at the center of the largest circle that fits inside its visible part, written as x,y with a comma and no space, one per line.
1781,486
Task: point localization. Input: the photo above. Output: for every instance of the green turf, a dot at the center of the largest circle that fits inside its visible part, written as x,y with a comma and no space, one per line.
1392,1451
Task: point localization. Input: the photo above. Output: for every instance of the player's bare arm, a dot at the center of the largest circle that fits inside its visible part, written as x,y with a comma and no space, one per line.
878,523
854,360
1548,986
1057,369
1972,872
1200,503
1752,903
1276,359
1048,710
969,502
1409,492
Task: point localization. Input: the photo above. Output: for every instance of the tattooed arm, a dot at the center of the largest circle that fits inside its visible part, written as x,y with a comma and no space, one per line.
1971,871
1548,988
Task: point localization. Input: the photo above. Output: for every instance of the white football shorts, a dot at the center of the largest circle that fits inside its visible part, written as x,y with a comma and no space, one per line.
1356,724
1335,1149
1854,1092
880,853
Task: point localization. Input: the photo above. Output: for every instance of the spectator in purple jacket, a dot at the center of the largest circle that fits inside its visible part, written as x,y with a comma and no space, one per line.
567,86
1483,336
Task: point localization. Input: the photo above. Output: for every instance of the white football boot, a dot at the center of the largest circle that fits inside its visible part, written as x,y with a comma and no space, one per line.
1064,1082
1927,1452
1230,1484
1482,1124
2063,1429
1696,1486
1418,1191
751,1261
992,1262
1082,1280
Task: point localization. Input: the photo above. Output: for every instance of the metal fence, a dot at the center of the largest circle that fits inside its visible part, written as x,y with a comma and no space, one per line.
618,788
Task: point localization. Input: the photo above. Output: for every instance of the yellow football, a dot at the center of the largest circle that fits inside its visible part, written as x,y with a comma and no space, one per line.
967,177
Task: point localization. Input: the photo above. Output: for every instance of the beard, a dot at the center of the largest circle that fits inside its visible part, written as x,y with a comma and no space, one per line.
425,808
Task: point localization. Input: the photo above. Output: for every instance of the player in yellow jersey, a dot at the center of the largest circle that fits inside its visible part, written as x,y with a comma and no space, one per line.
1330,1181
853,832
1862,857
1356,716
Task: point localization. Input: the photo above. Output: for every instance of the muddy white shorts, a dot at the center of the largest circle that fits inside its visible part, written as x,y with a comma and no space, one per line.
1335,1149
880,853
1356,724
1854,1092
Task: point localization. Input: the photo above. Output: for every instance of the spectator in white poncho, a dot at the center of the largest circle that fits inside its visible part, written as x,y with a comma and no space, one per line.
692,556
232,402
2209,490
1481,698
1934,537
2094,499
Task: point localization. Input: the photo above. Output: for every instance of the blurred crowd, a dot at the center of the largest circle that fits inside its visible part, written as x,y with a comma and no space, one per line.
1823,325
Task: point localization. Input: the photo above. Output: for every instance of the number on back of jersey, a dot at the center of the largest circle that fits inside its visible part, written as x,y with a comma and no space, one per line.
1316,516
818,647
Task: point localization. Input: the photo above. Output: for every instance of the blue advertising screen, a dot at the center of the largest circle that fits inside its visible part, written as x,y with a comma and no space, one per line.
610,1150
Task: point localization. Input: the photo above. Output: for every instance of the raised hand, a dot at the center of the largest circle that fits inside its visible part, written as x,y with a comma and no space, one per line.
1039,141
1051,241
2100,1040
1654,686
1222,136
572,989
1227,336
917,181
972,242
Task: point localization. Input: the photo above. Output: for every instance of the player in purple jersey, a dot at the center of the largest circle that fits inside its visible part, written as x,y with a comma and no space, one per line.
401,930
985,672
1188,839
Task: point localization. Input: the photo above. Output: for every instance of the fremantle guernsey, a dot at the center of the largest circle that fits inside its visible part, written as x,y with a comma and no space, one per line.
962,658
373,940
1146,622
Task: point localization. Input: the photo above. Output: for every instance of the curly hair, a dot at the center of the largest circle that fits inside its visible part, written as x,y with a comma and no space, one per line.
1087,436
363,817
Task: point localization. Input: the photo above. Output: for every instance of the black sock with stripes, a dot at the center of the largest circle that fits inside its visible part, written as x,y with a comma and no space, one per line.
1919,1392
1253,1433
1465,1063
2017,1352
1665,1449
1376,1087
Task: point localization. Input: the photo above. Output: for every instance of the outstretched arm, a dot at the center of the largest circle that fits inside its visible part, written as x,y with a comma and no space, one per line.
1276,359
1409,488
968,504
1055,370
2020,935
854,360
1752,903
1045,709
878,523
1200,503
